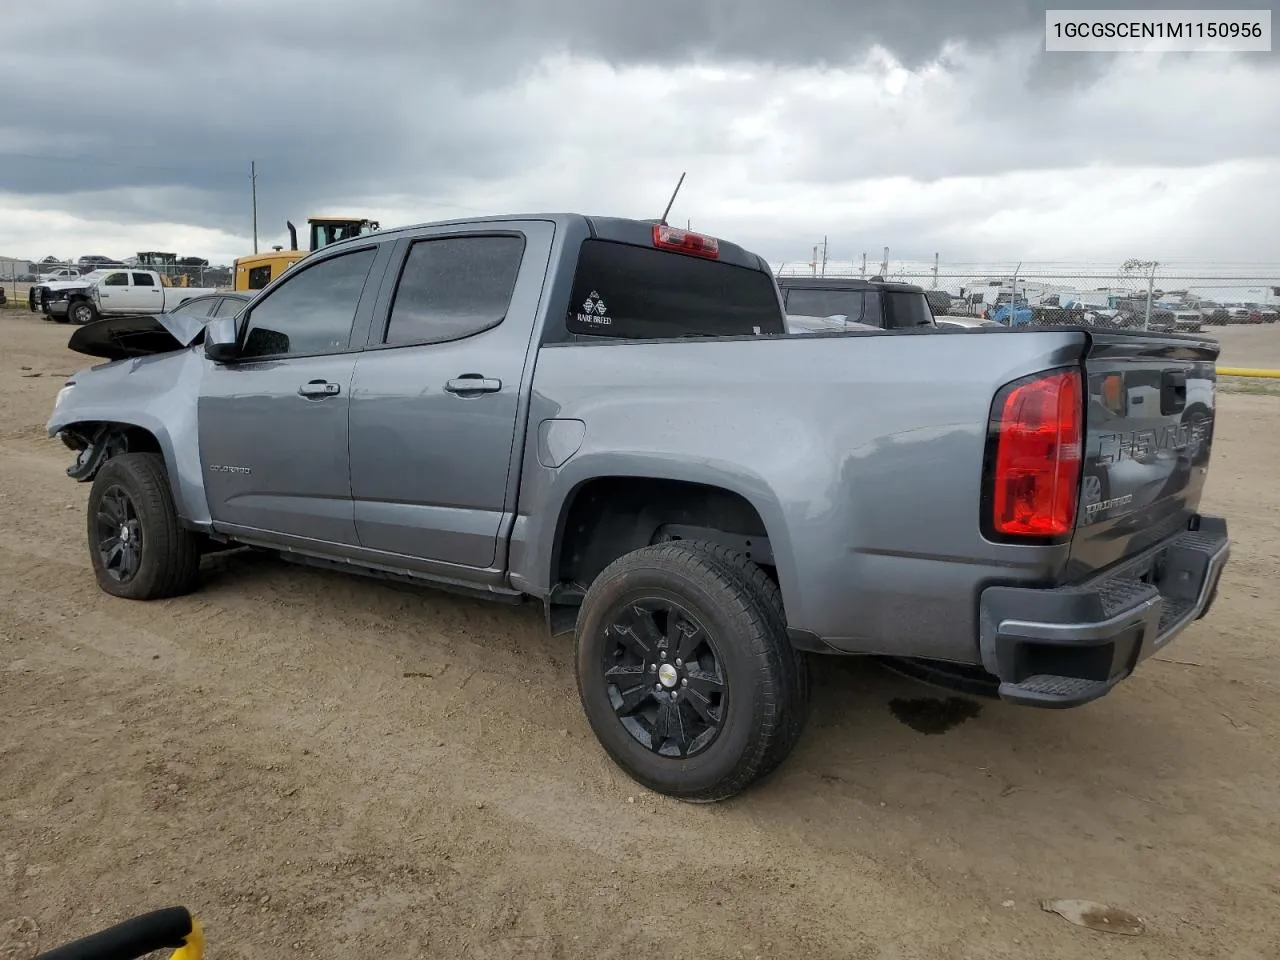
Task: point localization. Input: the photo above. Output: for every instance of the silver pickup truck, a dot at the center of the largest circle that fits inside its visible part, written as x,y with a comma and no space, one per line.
609,417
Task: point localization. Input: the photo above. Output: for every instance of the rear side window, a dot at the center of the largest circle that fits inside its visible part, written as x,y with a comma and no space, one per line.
631,292
143,280
909,310
454,287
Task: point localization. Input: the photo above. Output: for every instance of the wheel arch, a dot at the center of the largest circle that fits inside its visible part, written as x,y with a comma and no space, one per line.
603,516
97,440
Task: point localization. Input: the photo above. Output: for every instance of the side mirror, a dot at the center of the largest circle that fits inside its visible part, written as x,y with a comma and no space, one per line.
220,339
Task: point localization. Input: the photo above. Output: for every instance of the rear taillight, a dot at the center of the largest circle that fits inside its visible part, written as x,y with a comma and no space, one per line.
685,241
1033,460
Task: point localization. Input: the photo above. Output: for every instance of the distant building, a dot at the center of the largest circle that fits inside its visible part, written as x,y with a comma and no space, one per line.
12,269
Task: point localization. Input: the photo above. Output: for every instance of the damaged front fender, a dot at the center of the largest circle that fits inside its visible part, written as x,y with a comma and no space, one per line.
96,446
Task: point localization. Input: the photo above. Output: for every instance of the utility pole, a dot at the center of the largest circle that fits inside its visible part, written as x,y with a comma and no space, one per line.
1013,295
1151,281
253,186
863,275
824,256
935,271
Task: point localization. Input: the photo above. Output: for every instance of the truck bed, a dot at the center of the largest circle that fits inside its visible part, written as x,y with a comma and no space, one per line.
866,462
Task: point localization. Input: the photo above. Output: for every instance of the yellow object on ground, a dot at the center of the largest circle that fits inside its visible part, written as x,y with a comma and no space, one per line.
193,949
1248,372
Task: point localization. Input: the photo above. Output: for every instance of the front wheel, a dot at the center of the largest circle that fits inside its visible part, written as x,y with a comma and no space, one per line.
82,312
138,546
685,672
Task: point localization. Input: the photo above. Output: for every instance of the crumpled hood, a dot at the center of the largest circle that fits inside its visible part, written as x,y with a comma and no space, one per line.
60,284
118,338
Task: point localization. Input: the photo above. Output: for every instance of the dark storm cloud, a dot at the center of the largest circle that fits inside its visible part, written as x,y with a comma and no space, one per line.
338,101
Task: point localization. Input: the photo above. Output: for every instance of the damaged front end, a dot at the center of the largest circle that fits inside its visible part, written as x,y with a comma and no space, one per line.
94,446
143,335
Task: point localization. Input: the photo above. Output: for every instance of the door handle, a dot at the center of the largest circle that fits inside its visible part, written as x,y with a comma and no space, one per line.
319,388
473,383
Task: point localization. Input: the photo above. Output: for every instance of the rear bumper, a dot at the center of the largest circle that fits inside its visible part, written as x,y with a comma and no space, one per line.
1067,646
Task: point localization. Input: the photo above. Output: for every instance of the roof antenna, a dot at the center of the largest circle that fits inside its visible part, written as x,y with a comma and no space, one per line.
663,221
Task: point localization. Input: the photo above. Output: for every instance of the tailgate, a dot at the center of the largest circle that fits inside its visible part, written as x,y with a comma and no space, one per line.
1149,431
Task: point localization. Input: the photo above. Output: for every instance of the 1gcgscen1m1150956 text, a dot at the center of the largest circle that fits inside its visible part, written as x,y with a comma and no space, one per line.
1157,31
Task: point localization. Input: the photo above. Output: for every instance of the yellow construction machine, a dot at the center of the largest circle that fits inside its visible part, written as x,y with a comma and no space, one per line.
256,271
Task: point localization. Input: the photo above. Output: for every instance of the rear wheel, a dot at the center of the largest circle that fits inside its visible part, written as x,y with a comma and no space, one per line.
685,671
138,547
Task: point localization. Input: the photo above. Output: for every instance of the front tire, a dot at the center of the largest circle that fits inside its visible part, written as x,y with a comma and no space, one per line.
686,673
138,547
82,312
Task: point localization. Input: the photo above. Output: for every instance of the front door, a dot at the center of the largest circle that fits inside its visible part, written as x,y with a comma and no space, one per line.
273,424
145,293
435,400
113,292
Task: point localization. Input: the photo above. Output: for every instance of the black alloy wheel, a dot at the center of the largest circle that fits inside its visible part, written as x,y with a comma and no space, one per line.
665,676
685,670
138,546
119,535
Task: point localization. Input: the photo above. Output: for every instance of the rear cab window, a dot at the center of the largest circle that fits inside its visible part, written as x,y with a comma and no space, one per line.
855,306
629,292
887,308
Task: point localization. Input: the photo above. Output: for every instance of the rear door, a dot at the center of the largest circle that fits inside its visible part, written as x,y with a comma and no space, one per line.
436,395
1149,423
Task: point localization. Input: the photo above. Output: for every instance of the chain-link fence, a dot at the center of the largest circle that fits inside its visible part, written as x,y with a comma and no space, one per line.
1135,294
18,277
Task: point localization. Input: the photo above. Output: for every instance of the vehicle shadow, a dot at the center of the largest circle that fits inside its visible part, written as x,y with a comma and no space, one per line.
923,764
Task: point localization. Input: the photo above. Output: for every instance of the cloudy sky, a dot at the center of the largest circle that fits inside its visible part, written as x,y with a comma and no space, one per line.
925,125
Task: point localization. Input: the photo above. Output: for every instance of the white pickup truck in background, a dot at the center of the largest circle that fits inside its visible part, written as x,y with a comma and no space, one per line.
114,293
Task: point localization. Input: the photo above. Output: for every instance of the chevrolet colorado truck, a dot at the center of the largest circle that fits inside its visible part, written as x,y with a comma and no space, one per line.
121,292
609,417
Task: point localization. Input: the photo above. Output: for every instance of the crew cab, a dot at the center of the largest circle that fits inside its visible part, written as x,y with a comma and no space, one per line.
611,418
115,292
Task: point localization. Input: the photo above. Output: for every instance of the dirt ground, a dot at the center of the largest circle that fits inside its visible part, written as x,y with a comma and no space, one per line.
332,767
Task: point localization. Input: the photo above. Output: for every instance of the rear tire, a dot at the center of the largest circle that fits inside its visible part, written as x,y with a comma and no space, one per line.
138,546
796,666
705,729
